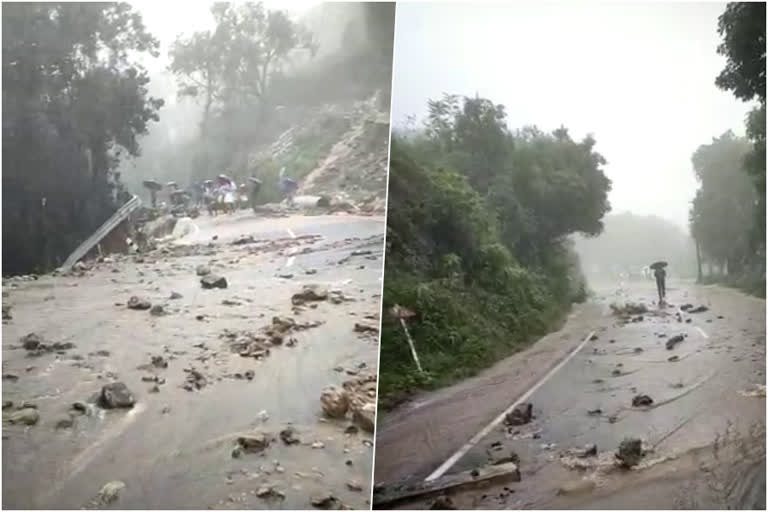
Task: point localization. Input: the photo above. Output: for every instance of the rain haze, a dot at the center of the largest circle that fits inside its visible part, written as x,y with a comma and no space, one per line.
640,77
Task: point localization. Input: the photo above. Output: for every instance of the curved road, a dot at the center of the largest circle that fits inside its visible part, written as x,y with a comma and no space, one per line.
702,396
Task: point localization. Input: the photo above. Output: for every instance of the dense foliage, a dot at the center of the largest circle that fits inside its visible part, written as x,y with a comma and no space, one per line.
728,214
723,211
74,102
479,219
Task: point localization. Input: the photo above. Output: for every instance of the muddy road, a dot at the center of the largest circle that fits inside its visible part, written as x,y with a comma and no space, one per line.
212,367
703,434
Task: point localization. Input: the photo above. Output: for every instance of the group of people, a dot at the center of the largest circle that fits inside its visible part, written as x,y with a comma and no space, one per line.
224,194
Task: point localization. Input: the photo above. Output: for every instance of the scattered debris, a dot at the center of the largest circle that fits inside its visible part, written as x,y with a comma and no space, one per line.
27,416
674,340
365,416
195,380
310,293
175,296
138,303
326,502
628,309
157,310
202,270
642,401
354,485
244,239
700,309
757,391
521,415
589,450
366,328
116,396
269,493
254,443
335,402
111,491
213,281
385,498
630,452
288,436
595,412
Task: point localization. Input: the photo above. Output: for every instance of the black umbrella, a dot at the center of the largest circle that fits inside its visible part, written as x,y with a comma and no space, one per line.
658,264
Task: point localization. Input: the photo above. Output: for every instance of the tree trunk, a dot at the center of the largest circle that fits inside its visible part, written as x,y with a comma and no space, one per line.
698,261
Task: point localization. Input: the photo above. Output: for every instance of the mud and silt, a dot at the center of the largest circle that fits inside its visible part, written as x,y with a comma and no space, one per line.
209,397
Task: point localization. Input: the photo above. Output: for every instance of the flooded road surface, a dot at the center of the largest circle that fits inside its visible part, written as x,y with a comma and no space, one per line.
704,433
196,391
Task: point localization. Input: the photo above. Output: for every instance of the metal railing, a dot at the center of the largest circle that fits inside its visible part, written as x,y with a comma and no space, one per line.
119,216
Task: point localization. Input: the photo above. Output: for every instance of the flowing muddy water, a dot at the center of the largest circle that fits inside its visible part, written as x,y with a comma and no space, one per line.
713,389
174,448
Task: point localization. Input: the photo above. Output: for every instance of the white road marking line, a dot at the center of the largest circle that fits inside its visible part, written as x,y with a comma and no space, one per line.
701,331
293,235
448,464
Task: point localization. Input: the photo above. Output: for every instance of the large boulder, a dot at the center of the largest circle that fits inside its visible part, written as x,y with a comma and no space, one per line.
116,396
335,402
365,416
213,281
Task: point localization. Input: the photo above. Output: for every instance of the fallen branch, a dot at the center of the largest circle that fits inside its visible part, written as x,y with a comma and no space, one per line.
384,498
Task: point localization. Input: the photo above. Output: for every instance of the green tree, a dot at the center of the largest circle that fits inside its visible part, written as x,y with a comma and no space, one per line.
722,212
478,227
742,28
74,102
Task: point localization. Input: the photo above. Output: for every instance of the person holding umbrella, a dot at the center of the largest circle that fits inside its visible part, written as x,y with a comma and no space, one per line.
661,276
288,187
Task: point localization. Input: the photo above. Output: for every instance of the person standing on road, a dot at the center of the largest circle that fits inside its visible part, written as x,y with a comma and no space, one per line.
661,286
289,187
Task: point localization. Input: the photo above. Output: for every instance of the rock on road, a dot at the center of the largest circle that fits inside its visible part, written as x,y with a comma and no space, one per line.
710,389
195,392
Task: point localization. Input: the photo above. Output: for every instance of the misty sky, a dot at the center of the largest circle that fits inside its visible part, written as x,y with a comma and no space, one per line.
640,77
167,19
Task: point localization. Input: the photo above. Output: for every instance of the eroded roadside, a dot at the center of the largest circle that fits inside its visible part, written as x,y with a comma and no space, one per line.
224,383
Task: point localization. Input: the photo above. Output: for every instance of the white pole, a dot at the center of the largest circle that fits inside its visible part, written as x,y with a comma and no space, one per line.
410,343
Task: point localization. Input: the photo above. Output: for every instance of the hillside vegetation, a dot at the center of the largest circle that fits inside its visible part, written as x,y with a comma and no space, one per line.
479,219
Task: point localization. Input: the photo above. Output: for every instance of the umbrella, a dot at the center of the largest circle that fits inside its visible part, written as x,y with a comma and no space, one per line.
152,185
171,184
659,264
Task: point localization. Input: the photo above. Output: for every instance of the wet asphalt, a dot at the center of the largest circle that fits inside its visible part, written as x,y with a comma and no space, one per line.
174,448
